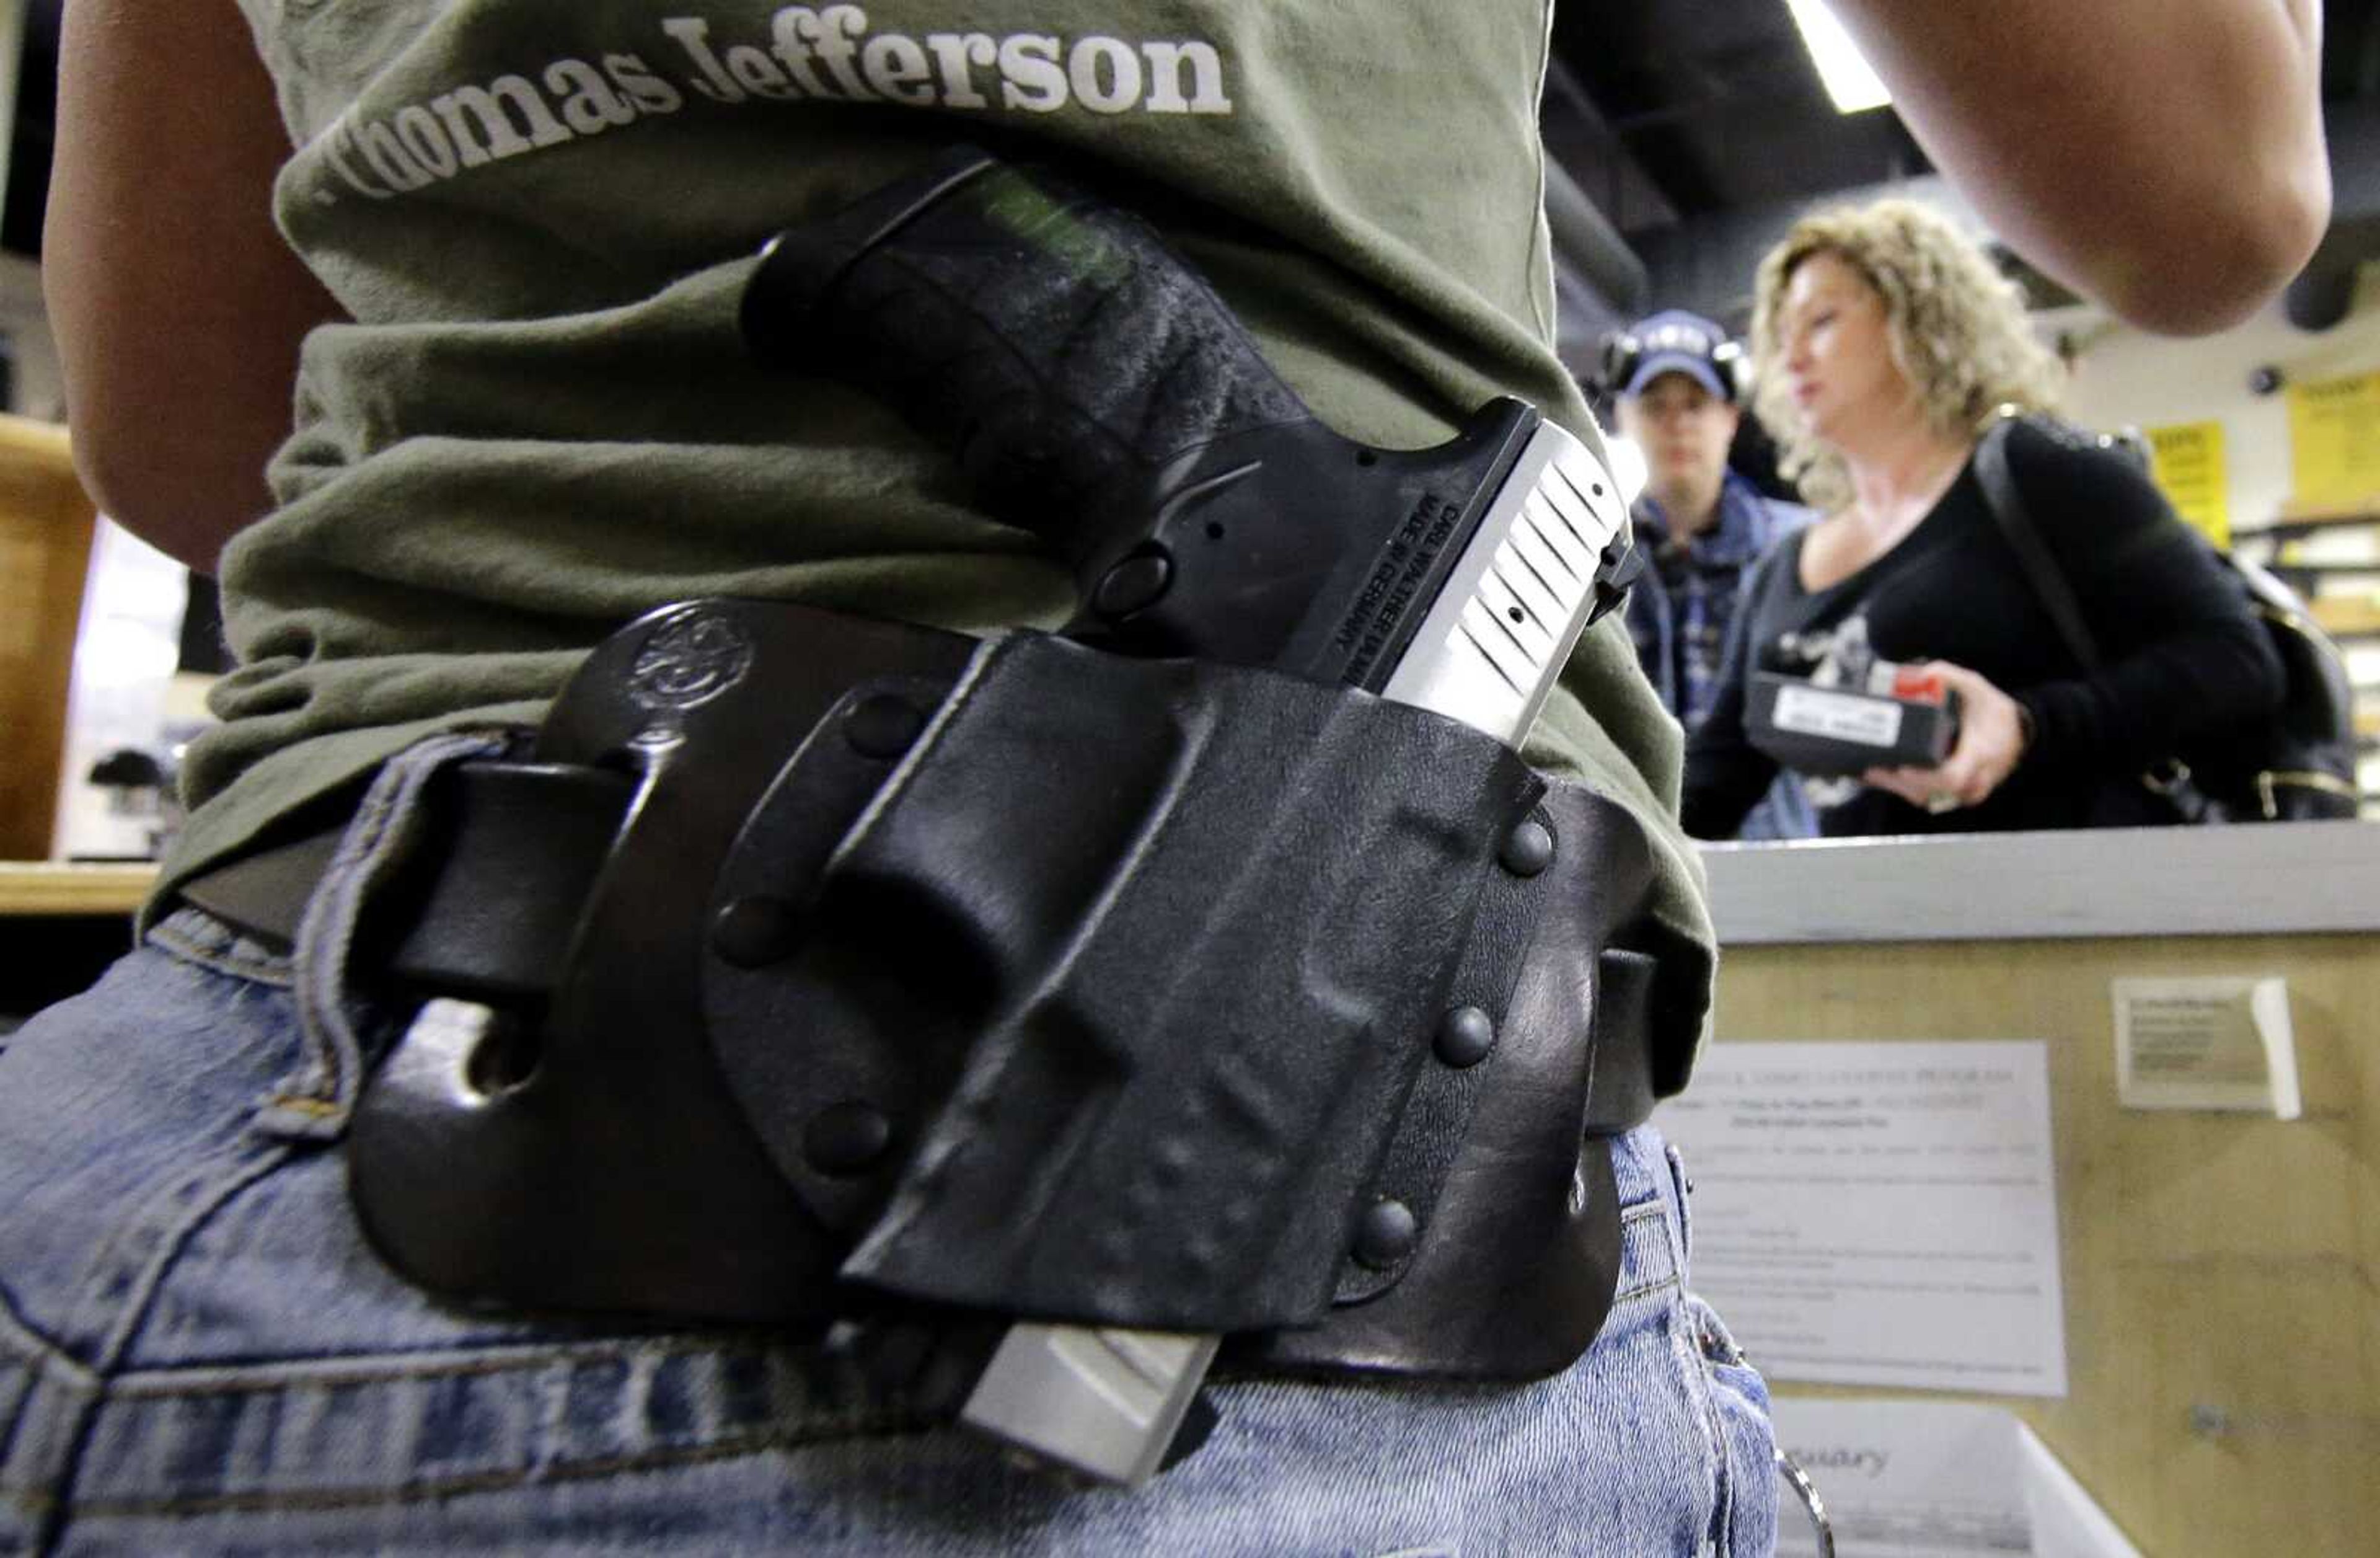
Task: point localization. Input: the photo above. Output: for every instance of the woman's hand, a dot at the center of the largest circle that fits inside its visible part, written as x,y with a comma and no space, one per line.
1992,739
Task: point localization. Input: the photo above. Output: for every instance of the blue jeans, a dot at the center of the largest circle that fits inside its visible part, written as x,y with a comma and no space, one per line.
199,1353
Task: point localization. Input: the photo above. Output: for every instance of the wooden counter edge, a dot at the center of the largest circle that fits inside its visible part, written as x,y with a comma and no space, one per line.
31,888
36,445
2252,879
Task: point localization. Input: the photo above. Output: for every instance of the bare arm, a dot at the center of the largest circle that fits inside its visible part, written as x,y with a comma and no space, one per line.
178,309
2162,156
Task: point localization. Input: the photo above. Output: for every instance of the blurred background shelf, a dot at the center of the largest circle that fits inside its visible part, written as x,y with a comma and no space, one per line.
2297,517
2345,616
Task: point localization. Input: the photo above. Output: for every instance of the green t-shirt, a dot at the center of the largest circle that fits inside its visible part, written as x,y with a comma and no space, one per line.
540,214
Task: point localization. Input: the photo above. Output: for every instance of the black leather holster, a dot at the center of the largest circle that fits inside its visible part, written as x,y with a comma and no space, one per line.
821,969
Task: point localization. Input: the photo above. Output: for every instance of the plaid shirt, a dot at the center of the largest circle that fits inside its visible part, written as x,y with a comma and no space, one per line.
1680,611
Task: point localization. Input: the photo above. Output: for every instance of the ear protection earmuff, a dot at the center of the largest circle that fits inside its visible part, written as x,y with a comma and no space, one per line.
1623,350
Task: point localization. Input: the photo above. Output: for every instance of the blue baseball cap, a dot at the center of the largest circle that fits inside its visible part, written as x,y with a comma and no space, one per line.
1674,341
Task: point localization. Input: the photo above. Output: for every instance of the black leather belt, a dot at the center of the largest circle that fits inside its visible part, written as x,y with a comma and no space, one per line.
262,894
521,845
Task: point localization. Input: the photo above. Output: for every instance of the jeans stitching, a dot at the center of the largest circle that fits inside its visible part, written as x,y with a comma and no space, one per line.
326,933
26,1482
1718,1535
1675,1162
156,1384
20,1339
188,1200
212,1188
194,937
420,1490
1642,1212
219,1177
328,1034
1660,1284
1720,1351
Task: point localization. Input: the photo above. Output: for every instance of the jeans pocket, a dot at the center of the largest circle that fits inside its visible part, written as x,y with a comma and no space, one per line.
1744,1519
1684,1188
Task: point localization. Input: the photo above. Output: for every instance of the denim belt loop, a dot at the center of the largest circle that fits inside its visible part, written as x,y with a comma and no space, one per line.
340,1044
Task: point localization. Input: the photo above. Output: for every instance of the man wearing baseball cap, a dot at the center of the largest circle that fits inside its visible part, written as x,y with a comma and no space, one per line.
1701,525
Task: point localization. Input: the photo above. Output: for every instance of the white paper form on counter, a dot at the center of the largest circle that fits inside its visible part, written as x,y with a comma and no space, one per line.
1879,1214
1934,1479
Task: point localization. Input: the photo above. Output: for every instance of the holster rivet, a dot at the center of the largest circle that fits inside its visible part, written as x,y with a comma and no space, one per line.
1465,1037
882,726
845,1137
756,932
1133,584
1528,849
1387,1235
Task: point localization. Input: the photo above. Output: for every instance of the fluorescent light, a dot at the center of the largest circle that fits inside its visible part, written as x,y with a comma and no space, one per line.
1848,78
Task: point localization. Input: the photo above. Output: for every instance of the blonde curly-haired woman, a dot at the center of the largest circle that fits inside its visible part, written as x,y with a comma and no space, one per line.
1886,344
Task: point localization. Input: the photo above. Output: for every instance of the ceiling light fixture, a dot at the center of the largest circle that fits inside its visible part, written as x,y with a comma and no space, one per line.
1848,80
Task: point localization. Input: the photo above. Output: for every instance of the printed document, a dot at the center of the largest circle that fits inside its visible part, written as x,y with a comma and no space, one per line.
1879,1214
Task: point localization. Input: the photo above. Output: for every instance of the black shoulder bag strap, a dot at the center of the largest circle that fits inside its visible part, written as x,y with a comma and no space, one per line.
2049,581
2170,778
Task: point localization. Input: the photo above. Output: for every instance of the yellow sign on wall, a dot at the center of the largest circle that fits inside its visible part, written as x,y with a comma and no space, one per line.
2187,462
2335,441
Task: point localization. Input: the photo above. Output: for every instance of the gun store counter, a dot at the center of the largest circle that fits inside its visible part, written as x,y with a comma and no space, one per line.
2199,1347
